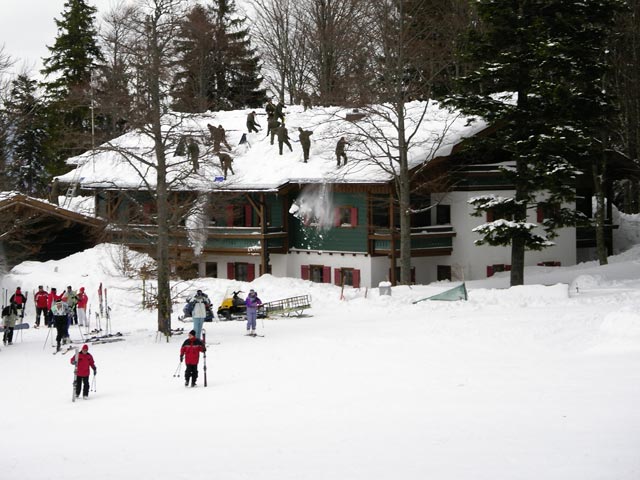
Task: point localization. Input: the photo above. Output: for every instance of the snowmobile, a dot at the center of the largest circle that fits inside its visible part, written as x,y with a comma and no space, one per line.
233,307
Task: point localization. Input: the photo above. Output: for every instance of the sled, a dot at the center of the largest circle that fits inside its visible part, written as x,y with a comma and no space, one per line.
288,306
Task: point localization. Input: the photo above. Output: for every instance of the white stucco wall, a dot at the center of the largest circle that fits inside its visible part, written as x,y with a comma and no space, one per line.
473,260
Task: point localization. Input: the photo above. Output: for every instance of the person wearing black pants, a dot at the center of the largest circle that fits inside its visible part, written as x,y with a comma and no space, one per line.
190,352
59,315
9,319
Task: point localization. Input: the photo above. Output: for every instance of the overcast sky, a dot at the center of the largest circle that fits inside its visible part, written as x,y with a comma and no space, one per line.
28,26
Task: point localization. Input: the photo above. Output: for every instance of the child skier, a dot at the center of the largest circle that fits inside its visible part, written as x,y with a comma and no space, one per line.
9,319
253,303
190,352
85,362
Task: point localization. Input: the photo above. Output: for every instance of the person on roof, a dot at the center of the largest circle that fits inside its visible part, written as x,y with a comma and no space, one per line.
283,138
340,153
251,123
305,142
84,364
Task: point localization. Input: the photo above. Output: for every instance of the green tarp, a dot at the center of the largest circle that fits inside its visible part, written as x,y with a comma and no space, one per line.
451,295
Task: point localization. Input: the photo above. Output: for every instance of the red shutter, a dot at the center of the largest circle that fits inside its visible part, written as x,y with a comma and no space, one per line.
356,278
413,275
304,272
489,271
354,217
229,215
251,272
248,217
337,276
540,214
336,217
326,274
231,271
507,268
489,217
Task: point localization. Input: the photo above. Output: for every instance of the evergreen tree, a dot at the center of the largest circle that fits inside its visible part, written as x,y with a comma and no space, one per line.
549,54
218,68
68,72
27,143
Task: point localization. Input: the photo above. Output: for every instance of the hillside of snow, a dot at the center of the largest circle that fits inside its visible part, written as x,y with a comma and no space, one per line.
538,381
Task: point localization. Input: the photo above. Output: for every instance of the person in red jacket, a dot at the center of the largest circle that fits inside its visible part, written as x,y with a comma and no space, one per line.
81,307
53,296
41,299
85,362
190,352
19,300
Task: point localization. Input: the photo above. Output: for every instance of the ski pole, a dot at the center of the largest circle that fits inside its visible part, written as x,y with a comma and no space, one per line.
47,339
204,341
178,370
93,384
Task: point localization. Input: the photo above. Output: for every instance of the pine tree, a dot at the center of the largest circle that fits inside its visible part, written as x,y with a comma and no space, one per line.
218,68
27,143
549,55
74,54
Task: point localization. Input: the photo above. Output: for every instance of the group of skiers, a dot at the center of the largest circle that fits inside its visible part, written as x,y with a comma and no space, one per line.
56,310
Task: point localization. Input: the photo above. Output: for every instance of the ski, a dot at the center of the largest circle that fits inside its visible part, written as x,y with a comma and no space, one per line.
253,335
63,351
204,342
75,374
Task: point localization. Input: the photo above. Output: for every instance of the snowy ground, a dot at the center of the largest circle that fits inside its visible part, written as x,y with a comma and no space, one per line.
536,382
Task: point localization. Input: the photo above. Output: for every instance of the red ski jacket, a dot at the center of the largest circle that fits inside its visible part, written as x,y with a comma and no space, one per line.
52,298
42,299
191,351
85,361
82,300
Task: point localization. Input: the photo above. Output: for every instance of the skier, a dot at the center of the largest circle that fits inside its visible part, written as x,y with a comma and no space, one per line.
9,319
19,300
85,362
81,307
53,296
41,299
252,302
305,141
340,150
60,319
190,352
200,303
71,299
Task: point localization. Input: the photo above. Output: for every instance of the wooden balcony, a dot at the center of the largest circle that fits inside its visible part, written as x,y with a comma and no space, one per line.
425,241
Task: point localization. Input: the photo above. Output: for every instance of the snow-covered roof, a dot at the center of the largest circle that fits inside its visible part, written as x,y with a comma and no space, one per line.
257,164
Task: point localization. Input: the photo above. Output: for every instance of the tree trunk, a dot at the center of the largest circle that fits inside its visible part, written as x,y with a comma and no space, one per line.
598,171
164,286
404,200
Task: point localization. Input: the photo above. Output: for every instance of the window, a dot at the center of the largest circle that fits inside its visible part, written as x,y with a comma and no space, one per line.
346,217
444,272
211,270
316,273
413,274
443,214
347,276
242,271
239,215
546,210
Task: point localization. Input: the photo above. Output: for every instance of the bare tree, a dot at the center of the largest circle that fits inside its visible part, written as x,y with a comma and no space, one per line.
411,49
283,46
336,32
